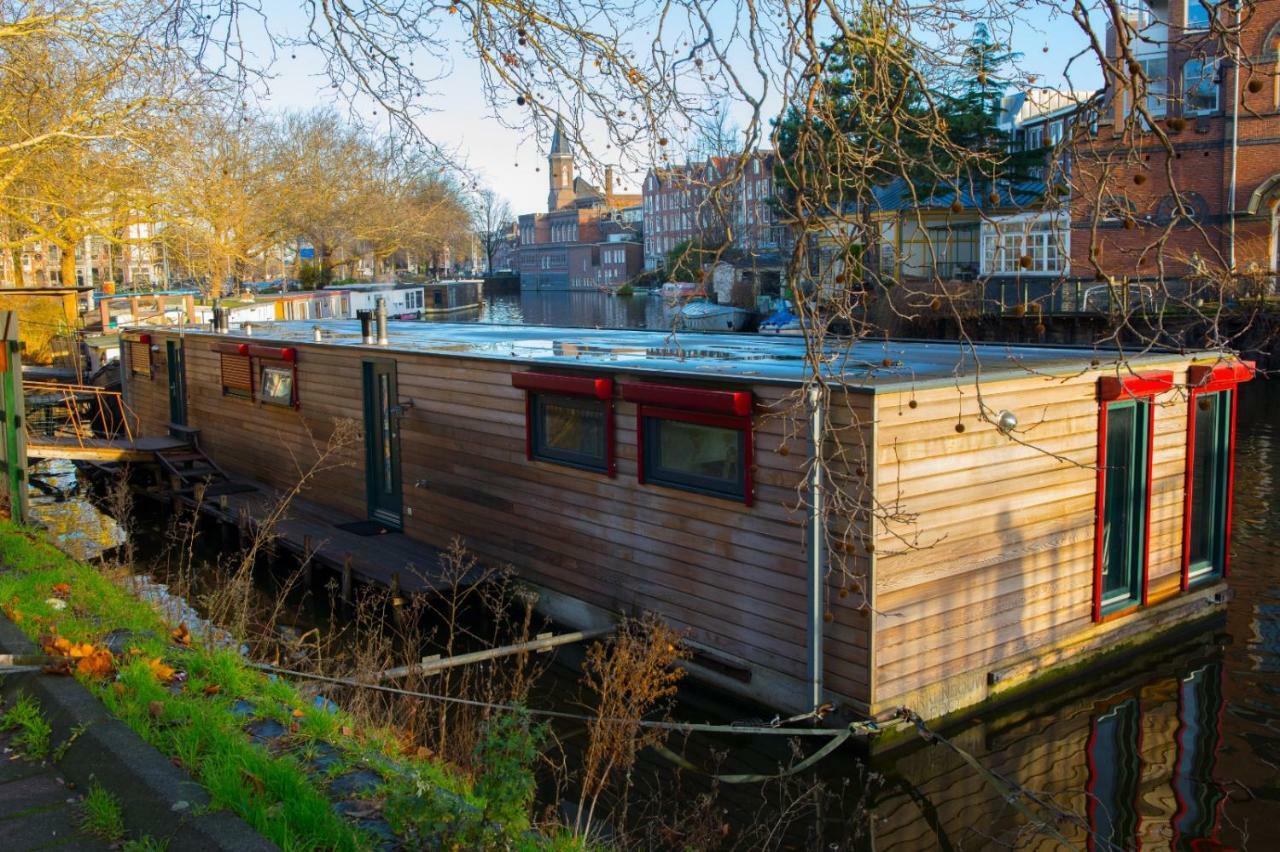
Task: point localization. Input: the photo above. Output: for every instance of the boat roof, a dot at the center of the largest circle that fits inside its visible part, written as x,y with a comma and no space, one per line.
870,365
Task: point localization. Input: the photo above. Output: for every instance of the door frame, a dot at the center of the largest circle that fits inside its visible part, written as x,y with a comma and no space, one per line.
381,422
176,365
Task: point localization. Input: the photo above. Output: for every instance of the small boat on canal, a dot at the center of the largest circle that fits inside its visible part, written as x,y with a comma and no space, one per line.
702,315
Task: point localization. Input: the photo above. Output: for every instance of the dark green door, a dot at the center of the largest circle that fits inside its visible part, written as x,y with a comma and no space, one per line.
177,384
382,443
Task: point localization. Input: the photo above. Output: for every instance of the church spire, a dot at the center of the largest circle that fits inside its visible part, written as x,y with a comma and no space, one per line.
560,166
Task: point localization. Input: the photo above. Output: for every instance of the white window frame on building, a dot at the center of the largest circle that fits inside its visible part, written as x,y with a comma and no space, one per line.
1200,75
1046,238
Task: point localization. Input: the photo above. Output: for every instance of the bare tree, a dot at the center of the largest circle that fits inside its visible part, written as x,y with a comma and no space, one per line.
492,221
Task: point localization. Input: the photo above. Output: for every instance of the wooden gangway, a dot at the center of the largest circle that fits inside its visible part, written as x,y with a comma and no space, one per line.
99,449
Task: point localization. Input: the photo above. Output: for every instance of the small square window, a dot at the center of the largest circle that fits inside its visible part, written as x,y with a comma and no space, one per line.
570,430
705,459
277,386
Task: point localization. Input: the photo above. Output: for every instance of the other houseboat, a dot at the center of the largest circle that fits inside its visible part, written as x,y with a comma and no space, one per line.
452,297
1008,512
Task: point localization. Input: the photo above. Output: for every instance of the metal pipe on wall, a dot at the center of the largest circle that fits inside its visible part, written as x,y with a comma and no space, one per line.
815,548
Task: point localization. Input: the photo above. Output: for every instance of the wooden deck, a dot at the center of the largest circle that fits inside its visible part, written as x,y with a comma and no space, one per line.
390,559
98,449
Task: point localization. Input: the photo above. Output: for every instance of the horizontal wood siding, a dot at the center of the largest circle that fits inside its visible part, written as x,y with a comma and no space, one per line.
731,576
993,553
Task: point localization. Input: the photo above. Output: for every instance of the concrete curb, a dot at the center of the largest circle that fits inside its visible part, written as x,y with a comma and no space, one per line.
157,797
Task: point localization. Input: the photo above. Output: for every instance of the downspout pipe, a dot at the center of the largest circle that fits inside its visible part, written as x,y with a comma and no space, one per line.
816,547
1235,140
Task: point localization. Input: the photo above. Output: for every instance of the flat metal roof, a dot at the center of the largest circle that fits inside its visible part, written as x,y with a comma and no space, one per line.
873,365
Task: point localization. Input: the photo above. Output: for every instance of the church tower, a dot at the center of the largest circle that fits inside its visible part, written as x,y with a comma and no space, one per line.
560,164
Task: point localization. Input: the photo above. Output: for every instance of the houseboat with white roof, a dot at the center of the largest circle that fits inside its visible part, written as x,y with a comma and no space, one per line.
985,515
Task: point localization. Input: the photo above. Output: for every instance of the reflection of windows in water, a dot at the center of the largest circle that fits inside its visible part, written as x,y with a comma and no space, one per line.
1200,798
1115,775
277,385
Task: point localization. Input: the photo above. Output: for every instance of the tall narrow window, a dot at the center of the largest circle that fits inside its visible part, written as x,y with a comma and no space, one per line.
1210,459
1206,535
1125,433
1124,504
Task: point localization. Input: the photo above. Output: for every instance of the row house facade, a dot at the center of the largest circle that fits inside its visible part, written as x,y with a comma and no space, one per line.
131,264
723,200
1215,189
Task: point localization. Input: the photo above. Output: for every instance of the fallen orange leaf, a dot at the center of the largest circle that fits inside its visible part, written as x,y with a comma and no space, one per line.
212,689
162,673
181,635
297,714
61,590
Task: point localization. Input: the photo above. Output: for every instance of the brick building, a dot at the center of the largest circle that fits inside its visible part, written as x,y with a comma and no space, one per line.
713,200
561,249
1221,114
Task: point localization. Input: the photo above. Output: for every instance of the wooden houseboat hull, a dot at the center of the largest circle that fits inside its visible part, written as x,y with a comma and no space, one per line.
983,578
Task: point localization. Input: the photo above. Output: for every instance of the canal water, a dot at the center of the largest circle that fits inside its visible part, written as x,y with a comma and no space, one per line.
1179,748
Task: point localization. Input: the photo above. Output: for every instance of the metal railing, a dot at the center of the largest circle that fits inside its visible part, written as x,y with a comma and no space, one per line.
80,412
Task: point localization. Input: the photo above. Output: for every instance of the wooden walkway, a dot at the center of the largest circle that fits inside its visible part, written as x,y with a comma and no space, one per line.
98,449
309,529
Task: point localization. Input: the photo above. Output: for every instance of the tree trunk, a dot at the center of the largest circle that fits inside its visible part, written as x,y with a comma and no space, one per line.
68,265
16,254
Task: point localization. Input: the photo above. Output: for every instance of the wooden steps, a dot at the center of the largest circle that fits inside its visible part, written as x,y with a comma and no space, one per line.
188,467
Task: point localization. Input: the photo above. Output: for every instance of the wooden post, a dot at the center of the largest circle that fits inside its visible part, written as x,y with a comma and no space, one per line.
346,579
14,444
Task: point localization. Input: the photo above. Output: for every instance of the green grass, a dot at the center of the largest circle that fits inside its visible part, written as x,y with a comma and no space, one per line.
101,814
270,790
146,843
26,717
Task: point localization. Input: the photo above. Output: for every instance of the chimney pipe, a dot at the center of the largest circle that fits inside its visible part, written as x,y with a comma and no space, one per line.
247,328
366,326
608,182
317,334
382,321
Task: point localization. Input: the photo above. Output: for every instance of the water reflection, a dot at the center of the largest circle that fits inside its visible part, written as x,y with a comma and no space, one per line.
75,523
586,309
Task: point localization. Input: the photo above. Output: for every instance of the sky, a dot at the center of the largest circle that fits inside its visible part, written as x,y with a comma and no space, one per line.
512,163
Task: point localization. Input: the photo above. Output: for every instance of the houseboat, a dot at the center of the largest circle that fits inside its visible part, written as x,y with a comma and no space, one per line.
403,301
986,516
453,296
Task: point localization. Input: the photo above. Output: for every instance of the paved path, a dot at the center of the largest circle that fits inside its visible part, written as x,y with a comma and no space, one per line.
37,808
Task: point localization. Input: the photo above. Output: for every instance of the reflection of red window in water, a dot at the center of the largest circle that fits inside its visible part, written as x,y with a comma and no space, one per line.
1115,775
1200,798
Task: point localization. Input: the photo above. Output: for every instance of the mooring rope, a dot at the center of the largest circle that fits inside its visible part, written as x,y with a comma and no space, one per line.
867,727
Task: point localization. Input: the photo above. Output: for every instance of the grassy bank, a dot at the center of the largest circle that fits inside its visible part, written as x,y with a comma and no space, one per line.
198,704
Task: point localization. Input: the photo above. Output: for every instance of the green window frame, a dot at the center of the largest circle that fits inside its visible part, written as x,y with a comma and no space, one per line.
1124,471
1208,484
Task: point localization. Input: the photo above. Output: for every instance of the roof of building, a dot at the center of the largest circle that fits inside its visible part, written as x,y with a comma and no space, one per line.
903,195
560,140
874,366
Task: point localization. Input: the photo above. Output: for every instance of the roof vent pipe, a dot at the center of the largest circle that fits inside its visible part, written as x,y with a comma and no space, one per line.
366,326
317,334
382,321
247,328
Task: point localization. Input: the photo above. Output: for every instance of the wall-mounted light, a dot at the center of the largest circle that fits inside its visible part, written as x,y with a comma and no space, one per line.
1006,421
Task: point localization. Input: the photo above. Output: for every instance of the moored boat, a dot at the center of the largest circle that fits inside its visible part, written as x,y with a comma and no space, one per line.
706,316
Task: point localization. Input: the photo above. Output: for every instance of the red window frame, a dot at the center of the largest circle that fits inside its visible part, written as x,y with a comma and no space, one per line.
581,386
1141,387
1211,379
723,408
